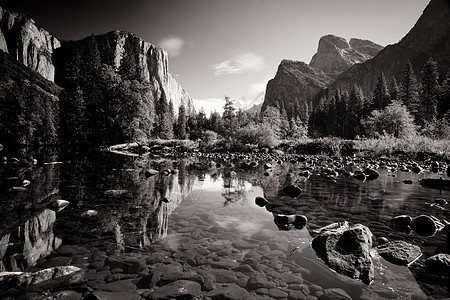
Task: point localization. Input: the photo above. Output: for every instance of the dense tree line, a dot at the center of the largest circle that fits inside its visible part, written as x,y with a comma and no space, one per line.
398,106
103,106
29,106
403,105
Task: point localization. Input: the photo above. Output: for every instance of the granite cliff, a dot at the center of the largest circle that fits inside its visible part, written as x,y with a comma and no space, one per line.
39,50
298,82
27,42
335,55
151,63
295,82
32,78
430,37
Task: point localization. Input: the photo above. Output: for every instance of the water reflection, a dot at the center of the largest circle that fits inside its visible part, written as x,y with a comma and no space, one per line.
117,205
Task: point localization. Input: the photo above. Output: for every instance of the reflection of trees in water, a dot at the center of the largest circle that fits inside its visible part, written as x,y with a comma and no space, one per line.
233,189
130,219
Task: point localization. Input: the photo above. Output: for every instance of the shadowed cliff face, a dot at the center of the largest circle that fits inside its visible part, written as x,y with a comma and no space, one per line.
36,48
430,37
148,62
297,82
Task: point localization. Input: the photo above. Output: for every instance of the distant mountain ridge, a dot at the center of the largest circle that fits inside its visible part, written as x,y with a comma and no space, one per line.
430,37
335,55
361,61
297,82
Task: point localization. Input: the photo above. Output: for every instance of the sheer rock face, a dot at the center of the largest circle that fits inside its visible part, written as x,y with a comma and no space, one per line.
295,81
37,49
335,55
28,43
299,82
151,63
430,37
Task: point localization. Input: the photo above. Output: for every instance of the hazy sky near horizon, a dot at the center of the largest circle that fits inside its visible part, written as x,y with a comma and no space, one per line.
227,47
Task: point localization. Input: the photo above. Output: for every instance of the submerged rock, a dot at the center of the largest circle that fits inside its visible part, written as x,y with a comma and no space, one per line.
261,201
346,249
401,221
425,225
292,191
371,174
435,183
57,205
360,176
399,252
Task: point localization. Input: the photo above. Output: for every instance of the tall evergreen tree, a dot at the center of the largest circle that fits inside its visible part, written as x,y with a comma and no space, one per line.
229,121
165,120
429,92
181,122
409,89
129,64
444,97
214,121
394,91
355,111
381,97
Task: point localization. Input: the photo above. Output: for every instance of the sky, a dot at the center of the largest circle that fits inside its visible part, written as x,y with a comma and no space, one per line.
221,48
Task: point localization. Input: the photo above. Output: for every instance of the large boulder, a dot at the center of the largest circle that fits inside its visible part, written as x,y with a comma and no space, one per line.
346,249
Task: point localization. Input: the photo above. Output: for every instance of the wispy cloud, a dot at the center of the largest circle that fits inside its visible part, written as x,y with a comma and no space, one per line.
239,63
173,44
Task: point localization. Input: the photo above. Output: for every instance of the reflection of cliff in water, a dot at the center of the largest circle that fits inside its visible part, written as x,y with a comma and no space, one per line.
132,208
132,205
23,247
29,181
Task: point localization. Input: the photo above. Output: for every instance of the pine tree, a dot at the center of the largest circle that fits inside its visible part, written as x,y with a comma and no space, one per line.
129,63
429,92
444,97
409,89
356,111
273,119
303,112
381,97
394,91
165,120
214,121
229,121
181,122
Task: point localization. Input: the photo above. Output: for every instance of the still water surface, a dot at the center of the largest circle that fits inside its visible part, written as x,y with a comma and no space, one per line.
199,209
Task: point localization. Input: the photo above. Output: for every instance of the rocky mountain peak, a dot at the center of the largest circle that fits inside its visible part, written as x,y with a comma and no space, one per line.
335,55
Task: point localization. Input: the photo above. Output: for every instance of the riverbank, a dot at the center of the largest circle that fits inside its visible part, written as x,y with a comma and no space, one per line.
418,147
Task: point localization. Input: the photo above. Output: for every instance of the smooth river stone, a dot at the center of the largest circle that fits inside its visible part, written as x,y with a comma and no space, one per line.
231,292
181,289
241,244
224,276
277,293
119,286
100,295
